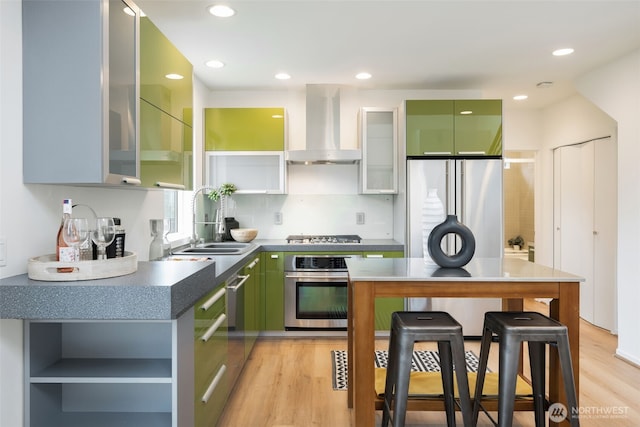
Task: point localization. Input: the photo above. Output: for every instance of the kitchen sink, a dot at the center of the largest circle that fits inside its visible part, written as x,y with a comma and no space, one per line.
230,245
218,248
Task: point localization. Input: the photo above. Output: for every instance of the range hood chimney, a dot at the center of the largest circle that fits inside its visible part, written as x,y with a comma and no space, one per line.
323,130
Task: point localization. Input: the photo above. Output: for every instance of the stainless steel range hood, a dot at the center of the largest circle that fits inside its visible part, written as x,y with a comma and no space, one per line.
323,130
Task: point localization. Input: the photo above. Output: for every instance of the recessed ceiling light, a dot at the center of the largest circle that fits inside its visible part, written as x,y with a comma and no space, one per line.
221,11
520,97
563,51
363,76
466,112
214,63
174,76
282,76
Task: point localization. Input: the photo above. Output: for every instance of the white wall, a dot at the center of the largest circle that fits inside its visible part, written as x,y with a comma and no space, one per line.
615,88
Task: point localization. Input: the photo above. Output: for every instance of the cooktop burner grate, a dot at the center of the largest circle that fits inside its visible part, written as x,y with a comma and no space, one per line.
326,239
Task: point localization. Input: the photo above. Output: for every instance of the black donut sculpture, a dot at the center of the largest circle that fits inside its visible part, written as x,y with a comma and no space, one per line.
451,225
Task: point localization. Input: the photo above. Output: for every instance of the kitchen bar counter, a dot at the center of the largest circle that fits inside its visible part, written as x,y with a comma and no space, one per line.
509,279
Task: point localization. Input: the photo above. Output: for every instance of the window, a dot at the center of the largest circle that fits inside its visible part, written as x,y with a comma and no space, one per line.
177,208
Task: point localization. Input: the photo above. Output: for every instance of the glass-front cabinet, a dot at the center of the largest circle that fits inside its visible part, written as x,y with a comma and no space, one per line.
378,133
245,146
454,127
81,114
252,172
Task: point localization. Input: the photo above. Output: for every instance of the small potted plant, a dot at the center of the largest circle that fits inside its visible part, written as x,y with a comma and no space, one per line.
516,242
221,193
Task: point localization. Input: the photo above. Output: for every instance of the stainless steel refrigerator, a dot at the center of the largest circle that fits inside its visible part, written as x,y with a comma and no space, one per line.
472,190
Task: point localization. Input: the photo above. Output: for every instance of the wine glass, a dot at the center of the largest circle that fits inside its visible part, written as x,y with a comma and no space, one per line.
75,232
103,235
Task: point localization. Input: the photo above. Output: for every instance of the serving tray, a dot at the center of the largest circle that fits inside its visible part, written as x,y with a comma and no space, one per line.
45,268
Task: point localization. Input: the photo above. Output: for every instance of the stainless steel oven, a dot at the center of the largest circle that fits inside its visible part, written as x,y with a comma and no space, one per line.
315,292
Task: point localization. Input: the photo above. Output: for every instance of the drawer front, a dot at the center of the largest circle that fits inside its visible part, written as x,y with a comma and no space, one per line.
210,400
210,342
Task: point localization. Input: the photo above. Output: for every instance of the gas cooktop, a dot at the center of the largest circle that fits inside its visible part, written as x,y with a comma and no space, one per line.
329,239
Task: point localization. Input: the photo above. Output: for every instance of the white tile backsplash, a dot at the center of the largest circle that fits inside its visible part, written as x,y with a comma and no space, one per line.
315,214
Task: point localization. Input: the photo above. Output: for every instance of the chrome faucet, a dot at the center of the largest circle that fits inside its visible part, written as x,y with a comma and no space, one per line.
219,221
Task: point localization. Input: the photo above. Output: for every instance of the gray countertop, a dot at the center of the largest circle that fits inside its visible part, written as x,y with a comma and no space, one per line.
158,290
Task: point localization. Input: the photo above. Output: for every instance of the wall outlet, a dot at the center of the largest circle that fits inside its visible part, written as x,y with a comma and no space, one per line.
277,218
360,218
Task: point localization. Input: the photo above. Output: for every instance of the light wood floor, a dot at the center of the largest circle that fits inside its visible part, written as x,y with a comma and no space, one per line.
287,382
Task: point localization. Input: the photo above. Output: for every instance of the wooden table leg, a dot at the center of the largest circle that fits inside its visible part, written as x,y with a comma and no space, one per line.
566,309
362,366
350,388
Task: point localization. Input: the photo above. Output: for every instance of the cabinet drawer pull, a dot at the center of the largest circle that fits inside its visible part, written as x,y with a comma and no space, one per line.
274,256
207,305
169,185
213,328
476,153
253,264
375,256
131,180
437,153
240,283
214,383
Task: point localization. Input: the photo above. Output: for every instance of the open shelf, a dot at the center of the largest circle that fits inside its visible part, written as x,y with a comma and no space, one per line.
105,370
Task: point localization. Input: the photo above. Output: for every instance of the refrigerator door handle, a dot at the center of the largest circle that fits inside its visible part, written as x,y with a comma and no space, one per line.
463,169
447,187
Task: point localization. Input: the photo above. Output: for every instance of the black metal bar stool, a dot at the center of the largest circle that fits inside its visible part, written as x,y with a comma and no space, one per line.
512,329
408,328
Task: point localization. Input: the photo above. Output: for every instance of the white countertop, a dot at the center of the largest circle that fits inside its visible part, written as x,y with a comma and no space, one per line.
478,270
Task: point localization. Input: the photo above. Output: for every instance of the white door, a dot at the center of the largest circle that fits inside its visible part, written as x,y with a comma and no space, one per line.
585,215
605,233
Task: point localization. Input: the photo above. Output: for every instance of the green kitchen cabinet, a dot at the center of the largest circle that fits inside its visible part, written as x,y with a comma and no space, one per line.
273,290
80,115
384,307
210,357
165,74
253,313
454,127
244,129
166,111
245,146
164,161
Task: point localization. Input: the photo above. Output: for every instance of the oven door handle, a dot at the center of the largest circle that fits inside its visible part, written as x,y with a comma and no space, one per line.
240,283
314,277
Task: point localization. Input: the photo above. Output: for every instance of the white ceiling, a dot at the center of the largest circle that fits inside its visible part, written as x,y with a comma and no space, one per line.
501,47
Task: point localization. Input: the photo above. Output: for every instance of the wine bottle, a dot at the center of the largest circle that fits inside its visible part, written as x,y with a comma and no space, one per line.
63,251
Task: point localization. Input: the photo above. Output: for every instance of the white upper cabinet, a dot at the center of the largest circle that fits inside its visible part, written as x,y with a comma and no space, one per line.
252,172
81,99
378,168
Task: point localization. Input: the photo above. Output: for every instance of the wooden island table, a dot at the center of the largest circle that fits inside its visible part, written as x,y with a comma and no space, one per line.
506,278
